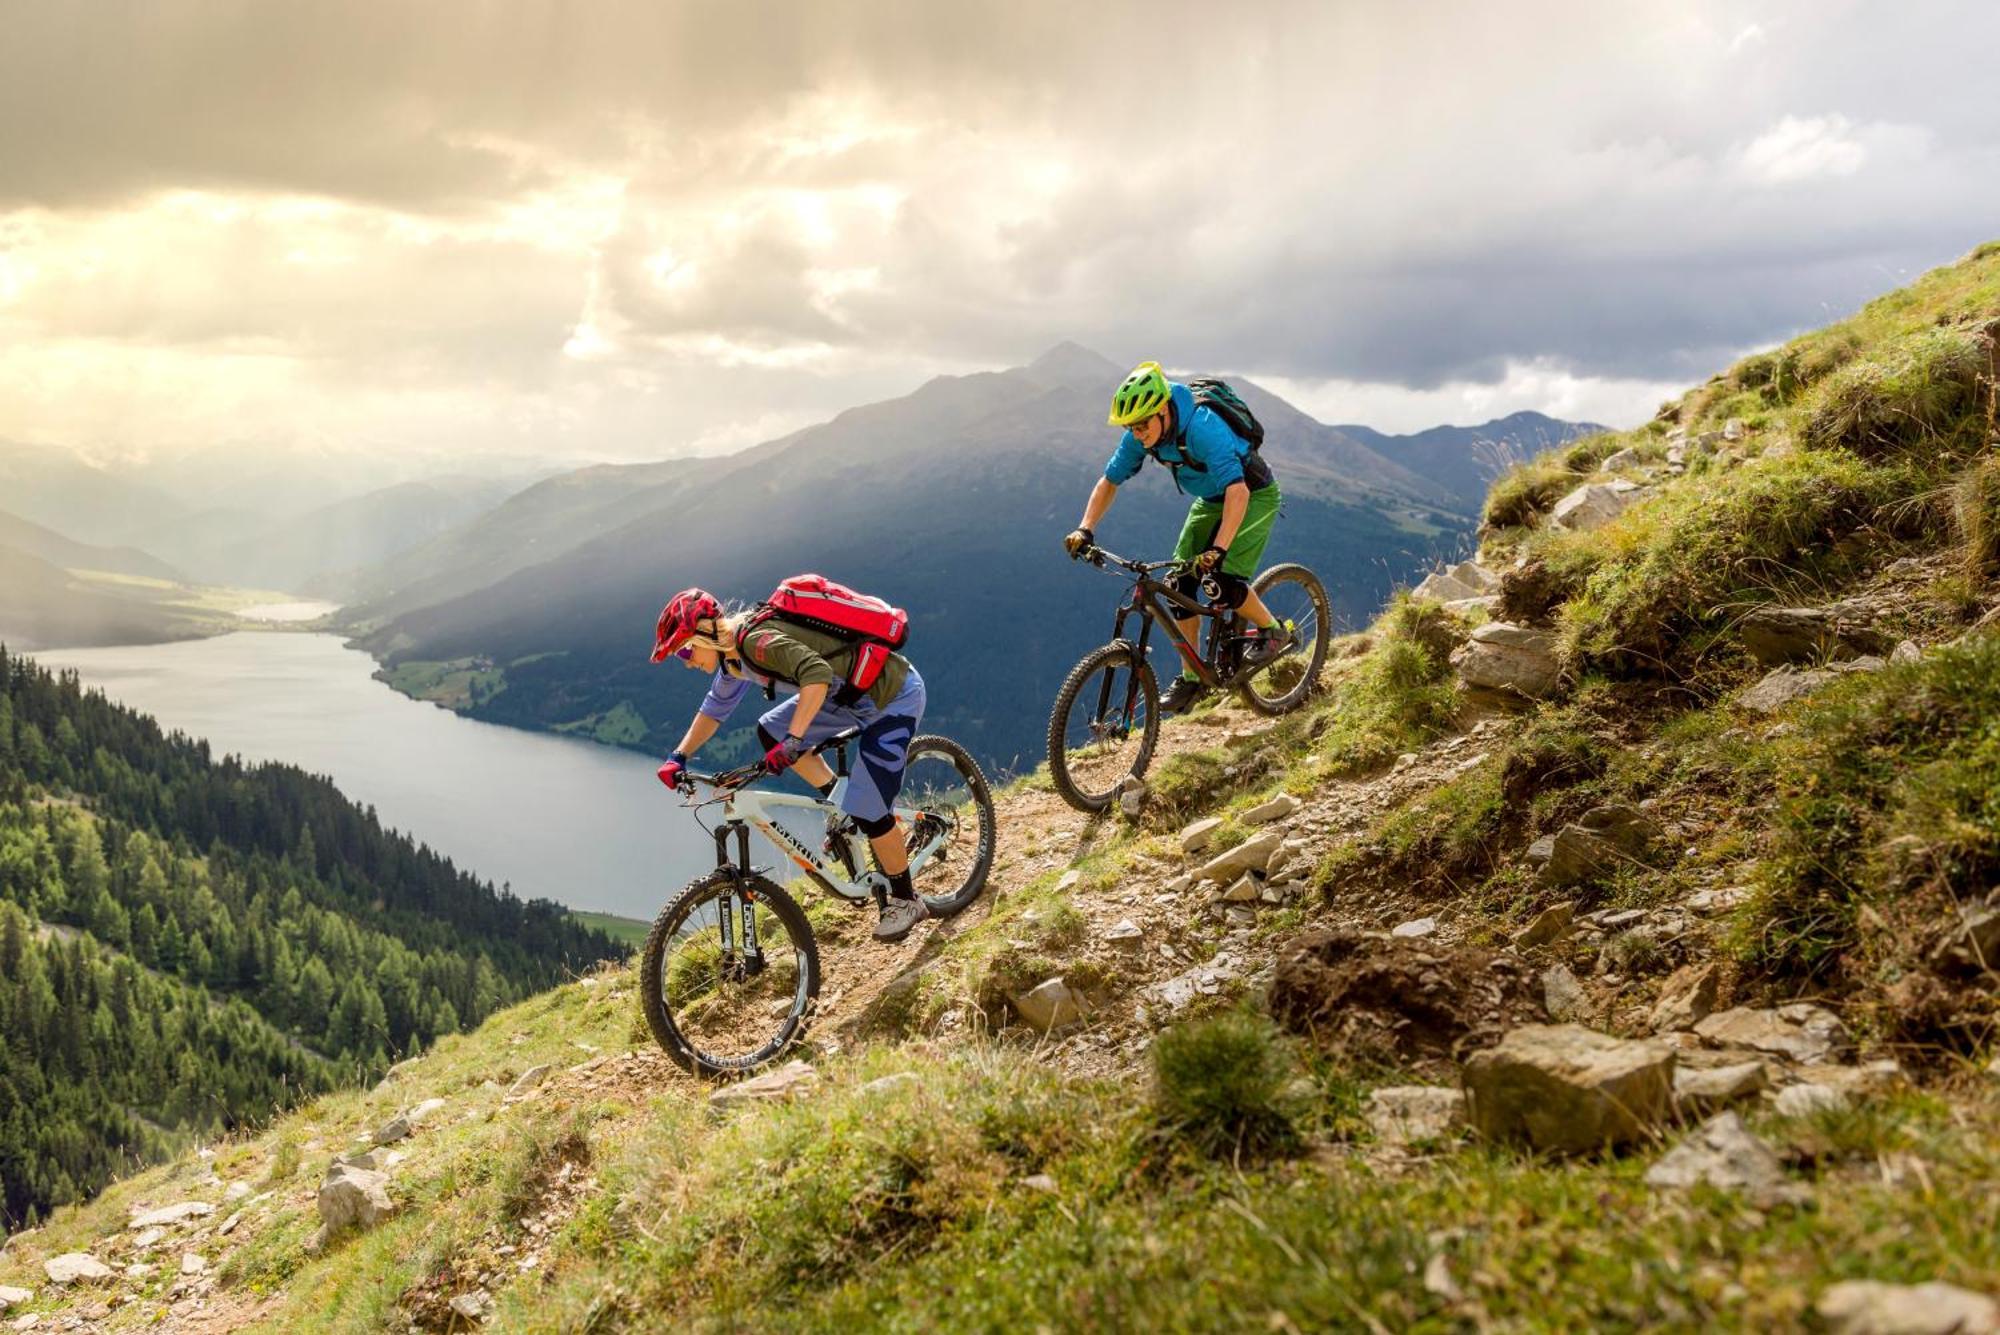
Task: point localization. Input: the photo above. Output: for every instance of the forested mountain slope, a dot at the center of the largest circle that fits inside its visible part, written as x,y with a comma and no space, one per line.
192,942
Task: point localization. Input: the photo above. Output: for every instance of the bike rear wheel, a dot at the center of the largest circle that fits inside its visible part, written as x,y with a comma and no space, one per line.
714,1003
947,814
1293,594
1104,727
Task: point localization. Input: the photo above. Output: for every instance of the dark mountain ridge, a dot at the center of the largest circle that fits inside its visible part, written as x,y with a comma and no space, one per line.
949,500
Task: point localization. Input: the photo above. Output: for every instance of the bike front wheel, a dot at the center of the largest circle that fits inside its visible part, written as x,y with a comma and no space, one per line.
1104,726
730,973
1295,596
947,812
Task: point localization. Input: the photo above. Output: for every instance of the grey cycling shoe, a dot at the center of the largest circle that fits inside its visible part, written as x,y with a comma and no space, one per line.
899,917
1269,646
1178,697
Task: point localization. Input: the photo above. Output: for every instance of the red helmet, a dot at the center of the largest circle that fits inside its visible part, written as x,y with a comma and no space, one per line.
680,619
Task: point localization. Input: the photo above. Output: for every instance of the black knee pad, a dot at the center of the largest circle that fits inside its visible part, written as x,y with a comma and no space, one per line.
1187,586
875,829
1232,590
765,739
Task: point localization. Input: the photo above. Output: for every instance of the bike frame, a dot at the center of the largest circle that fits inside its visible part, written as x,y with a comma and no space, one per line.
1146,603
743,809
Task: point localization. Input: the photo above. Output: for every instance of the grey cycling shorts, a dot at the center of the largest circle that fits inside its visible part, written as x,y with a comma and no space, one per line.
876,775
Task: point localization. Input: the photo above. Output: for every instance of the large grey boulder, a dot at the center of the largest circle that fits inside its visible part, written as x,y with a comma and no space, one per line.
1563,996
12,1297
1466,580
1515,660
1783,685
77,1268
395,1129
1404,1114
353,1198
1865,1307
1802,1031
1810,1100
1595,845
794,1079
166,1216
1253,854
1722,1153
1775,635
1593,505
1275,809
1687,998
1564,1089
1049,1005
529,1080
1710,1089
1196,836
1549,926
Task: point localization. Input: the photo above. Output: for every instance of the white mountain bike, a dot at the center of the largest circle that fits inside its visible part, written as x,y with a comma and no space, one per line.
730,973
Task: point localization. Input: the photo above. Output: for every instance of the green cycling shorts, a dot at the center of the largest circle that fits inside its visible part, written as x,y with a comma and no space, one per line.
1247,550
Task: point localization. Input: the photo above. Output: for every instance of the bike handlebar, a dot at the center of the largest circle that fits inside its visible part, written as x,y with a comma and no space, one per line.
744,775
1100,556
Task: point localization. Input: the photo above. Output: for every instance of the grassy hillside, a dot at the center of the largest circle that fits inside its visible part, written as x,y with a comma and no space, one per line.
1801,930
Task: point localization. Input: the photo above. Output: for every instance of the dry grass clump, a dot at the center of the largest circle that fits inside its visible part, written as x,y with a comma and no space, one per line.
1976,514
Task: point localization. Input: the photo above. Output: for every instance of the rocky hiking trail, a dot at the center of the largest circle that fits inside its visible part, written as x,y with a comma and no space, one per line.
1179,928
1180,924
1105,930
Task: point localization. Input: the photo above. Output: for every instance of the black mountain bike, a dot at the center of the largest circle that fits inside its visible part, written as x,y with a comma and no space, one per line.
730,973
1107,716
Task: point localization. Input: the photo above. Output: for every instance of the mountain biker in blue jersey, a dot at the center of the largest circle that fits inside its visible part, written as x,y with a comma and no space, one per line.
1227,527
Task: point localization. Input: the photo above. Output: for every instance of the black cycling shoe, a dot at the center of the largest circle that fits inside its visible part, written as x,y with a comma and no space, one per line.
1268,646
1183,693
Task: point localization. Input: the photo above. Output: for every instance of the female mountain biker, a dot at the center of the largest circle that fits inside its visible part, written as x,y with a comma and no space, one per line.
815,668
1227,527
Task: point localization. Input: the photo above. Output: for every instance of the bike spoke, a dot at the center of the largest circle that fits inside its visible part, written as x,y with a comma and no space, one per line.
1296,599
1106,730
946,816
728,997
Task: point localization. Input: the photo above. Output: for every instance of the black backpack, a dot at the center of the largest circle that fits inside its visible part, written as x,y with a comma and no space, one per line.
1216,396
1226,403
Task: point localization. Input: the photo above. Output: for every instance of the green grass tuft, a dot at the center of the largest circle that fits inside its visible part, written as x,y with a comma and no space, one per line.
1669,575
1888,816
1224,1085
1922,392
1976,512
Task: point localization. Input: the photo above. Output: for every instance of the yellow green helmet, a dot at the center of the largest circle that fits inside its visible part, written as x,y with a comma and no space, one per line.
1144,393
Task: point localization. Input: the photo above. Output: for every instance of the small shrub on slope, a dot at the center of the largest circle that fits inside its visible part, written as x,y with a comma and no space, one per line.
1976,510
1919,393
1889,817
1522,495
1663,574
1222,1083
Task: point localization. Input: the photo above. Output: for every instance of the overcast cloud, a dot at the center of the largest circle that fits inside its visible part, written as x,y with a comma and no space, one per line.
632,231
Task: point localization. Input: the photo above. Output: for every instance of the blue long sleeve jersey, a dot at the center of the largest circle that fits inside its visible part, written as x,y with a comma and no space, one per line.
1208,454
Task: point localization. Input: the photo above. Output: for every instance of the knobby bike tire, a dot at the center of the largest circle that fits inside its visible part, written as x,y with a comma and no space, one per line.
1067,699
1313,662
985,837
653,1001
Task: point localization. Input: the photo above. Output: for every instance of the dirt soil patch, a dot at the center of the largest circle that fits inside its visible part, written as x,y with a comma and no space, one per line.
1386,999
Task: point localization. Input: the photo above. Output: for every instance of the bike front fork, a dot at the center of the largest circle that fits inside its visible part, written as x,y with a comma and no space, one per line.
742,955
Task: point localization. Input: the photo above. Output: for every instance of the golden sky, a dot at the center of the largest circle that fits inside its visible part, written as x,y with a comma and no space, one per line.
627,231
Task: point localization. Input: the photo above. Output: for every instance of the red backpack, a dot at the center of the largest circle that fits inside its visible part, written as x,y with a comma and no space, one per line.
818,603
